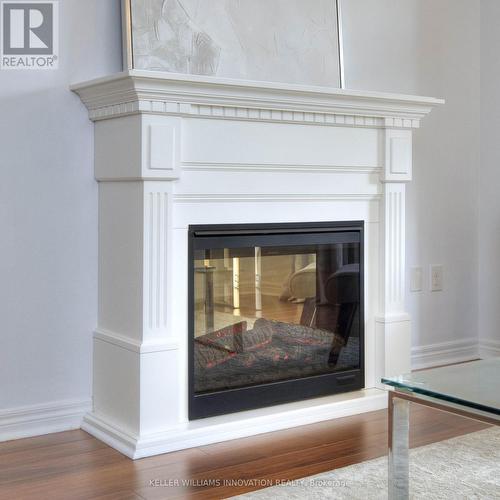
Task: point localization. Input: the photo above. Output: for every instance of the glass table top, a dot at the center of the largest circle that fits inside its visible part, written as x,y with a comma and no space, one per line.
475,384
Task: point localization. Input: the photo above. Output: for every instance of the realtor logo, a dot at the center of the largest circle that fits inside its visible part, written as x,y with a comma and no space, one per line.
29,35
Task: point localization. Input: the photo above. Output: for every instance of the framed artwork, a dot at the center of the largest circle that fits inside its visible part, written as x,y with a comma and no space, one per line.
292,41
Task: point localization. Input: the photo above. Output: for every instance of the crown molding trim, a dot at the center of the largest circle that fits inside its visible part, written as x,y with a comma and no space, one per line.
138,91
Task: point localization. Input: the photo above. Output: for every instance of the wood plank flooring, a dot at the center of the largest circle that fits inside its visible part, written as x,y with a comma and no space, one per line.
73,465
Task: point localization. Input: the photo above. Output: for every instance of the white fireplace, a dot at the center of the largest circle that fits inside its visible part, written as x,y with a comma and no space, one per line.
173,151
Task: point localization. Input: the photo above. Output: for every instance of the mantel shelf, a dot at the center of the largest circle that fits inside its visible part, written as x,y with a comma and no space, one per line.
135,91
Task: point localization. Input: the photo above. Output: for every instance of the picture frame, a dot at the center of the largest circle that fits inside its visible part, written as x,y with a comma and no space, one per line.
289,41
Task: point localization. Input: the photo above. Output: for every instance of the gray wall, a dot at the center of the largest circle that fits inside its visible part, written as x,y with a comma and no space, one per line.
48,214
489,191
431,47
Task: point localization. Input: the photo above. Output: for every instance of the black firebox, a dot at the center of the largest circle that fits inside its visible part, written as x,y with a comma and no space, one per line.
276,314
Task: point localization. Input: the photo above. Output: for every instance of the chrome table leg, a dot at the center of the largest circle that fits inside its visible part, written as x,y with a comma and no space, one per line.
398,447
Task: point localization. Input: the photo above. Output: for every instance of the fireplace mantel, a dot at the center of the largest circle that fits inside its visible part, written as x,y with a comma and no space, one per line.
136,91
173,150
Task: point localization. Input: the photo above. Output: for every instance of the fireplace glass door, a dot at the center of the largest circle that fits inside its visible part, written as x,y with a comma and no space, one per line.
275,314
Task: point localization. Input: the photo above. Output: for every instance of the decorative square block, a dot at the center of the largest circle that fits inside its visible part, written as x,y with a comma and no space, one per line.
398,155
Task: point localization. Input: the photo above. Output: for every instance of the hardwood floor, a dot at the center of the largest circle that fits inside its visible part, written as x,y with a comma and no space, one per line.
73,465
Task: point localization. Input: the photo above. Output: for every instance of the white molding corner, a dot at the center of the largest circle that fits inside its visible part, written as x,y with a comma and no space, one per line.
393,318
135,345
36,420
110,433
444,353
489,348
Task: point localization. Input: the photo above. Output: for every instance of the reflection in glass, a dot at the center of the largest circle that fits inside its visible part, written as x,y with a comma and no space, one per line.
268,314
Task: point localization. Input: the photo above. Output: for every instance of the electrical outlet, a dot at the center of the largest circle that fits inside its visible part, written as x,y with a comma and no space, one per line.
436,278
416,279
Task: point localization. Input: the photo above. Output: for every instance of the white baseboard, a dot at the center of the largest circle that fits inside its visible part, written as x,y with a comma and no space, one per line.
234,426
36,420
444,353
489,348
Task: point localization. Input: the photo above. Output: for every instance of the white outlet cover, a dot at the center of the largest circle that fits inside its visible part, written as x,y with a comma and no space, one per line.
416,279
436,278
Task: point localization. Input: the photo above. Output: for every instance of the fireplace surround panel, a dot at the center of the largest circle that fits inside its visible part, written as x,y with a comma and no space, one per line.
174,153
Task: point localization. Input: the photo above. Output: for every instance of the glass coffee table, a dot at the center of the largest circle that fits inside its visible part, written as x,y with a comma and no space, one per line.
468,389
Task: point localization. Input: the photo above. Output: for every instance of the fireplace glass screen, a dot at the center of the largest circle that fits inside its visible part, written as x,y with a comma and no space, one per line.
271,306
